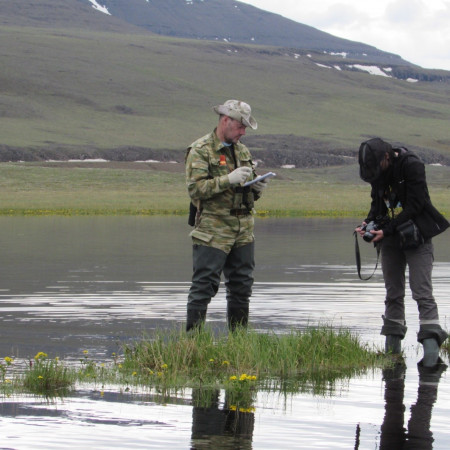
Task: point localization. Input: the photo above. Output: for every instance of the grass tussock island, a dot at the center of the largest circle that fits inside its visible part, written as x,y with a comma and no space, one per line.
241,363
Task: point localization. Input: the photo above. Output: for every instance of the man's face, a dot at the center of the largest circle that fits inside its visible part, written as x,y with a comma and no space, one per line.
233,130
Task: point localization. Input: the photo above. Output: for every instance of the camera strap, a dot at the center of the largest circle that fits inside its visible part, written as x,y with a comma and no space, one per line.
358,258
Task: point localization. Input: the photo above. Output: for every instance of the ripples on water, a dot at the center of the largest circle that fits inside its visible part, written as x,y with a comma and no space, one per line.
95,303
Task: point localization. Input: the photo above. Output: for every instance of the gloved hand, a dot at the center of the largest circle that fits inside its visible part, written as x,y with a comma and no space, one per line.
239,175
259,186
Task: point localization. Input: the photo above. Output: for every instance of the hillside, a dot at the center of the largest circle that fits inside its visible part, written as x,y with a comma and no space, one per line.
60,14
227,20
235,22
77,83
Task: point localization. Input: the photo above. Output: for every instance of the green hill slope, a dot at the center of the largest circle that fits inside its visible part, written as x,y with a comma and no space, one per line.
73,91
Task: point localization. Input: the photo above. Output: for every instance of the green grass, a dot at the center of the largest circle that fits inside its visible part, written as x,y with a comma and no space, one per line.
28,189
105,90
48,377
241,363
316,357
32,190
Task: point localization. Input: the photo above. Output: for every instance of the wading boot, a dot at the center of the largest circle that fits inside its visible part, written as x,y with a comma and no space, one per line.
430,352
393,344
394,332
431,336
237,316
195,319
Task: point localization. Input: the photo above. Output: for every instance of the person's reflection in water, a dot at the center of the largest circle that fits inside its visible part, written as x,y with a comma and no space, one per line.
212,427
393,433
418,435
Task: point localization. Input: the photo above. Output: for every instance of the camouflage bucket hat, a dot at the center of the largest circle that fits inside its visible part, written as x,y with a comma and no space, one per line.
239,111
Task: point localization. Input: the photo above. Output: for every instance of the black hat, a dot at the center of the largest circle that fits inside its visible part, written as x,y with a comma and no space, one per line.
371,153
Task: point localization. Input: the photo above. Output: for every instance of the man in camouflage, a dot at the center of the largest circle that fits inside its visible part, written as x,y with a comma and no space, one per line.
217,165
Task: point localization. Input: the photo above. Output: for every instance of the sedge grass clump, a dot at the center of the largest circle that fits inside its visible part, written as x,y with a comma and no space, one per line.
318,356
48,376
173,360
89,369
101,373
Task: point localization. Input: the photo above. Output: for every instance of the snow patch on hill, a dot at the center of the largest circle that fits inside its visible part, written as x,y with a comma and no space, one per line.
100,8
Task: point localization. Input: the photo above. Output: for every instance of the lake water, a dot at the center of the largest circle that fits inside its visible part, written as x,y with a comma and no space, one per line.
91,283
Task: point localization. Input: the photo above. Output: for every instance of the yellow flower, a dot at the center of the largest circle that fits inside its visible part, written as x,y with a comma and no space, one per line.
225,363
247,410
85,352
243,377
211,360
233,408
120,366
134,374
40,355
8,360
233,378
40,377
160,374
7,380
164,366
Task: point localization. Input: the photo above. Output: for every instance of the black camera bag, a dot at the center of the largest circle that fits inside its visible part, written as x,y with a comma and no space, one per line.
409,235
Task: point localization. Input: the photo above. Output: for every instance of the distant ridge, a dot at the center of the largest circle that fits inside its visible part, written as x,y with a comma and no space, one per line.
221,20
235,22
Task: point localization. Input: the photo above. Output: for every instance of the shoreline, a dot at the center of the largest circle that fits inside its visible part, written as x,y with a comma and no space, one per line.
164,213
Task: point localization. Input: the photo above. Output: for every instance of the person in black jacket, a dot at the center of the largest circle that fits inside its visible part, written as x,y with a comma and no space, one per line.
400,200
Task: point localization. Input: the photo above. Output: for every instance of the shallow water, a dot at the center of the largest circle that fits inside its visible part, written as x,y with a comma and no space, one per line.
74,284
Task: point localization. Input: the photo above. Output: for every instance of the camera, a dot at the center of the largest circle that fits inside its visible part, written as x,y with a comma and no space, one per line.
371,226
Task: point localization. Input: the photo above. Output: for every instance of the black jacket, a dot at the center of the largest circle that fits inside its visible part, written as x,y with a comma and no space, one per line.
405,182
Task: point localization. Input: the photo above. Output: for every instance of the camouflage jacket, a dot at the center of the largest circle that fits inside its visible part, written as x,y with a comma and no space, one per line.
208,163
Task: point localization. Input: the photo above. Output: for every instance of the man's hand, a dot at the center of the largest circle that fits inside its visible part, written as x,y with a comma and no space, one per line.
259,186
239,175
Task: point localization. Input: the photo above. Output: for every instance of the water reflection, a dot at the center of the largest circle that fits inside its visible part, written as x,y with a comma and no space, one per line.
70,284
227,425
418,435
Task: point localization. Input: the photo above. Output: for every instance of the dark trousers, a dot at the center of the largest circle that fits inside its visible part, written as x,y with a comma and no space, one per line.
208,265
420,264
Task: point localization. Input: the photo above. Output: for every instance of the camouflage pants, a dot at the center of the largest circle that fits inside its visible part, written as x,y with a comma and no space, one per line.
230,252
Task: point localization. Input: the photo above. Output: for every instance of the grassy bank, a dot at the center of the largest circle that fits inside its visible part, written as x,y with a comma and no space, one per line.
142,189
241,363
